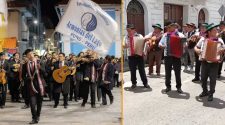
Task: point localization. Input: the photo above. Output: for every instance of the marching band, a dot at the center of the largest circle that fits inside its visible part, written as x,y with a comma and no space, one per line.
33,78
201,49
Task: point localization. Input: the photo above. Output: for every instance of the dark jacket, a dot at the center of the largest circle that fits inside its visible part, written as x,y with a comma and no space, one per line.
88,70
27,79
64,87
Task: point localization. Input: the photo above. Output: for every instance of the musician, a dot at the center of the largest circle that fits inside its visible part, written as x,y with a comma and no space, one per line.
13,77
191,44
4,67
202,30
79,76
116,65
91,65
72,62
63,88
171,61
24,84
135,60
106,76
222,36
209,68
33,76
154,51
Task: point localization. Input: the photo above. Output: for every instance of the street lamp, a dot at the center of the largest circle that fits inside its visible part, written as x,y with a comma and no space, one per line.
35,22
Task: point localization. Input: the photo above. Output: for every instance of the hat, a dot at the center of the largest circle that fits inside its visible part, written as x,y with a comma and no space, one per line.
157,26
222,22
168,24
191,24
28,51
130,26
204,24
2,53
211,26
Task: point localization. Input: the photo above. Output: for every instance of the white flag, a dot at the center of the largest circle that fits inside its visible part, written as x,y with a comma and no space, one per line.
85,22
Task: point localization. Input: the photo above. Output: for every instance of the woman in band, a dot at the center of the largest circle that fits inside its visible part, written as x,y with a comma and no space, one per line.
209,68
154,51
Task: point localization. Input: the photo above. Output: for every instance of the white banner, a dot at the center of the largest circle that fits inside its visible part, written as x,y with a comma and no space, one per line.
85,22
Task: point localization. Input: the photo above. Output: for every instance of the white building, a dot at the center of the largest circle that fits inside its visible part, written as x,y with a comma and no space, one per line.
144,13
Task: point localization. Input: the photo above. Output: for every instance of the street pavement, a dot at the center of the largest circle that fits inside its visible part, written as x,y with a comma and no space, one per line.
153,107
12,114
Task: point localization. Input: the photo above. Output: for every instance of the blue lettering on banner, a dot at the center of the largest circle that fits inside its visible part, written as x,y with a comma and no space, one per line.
87,38
88,44
75,29
74,36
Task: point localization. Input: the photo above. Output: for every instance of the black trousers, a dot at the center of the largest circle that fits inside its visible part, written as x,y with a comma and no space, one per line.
14,88
57,97
87,85
106,90
134,62
175,64
3,91
35,105
220,68
25,94
209,70
197,67
116,80
72,88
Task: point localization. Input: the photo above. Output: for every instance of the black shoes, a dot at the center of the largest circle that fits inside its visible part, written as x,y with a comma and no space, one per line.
210,98
83,104
195,80
25,107
34,121
133,86
65,106
55,106
93,106
111,101
203,94
147,86
167,90
179,90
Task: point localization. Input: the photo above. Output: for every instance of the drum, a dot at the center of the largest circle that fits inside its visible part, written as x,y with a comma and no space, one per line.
139,45
210,50
175,47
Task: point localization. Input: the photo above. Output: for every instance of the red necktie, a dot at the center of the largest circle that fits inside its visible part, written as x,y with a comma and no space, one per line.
132,45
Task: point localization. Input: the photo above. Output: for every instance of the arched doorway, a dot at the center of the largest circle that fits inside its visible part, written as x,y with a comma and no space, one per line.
135,15
201,17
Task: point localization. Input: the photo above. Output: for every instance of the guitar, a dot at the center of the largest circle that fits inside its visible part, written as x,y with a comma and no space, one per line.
2,76
60,75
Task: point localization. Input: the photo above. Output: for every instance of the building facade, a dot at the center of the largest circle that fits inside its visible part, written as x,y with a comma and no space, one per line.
144,13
